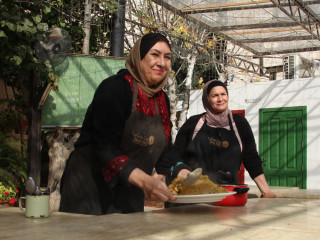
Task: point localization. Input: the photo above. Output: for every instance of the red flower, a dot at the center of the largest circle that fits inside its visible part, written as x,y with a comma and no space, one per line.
6,193
12,201
17,191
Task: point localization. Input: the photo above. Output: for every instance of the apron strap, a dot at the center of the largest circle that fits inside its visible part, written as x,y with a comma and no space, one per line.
230,123
233,127
198,126
135,96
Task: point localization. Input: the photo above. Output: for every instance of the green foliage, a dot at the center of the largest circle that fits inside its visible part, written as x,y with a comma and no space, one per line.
13,166
101,24
19,32
204,69
21,27
23,24
69,16
9,120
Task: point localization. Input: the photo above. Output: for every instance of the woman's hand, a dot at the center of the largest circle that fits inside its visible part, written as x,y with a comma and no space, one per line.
158,176
264,187
157,190
153,187
268,195
183,173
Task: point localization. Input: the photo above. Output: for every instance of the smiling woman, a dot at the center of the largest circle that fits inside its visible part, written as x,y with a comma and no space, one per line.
152,70
218,97
156,63
126,130
219,141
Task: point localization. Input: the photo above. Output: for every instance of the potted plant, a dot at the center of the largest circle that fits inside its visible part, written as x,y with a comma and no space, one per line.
7,195
13,166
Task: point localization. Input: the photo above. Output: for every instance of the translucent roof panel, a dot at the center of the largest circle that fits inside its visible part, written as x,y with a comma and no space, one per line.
263,27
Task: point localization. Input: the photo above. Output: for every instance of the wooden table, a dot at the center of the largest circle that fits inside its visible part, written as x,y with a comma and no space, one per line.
279,218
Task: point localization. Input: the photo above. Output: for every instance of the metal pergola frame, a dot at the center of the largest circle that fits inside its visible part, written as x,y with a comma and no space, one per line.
299,14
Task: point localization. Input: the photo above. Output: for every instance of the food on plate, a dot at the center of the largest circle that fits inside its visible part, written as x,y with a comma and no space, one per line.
202,186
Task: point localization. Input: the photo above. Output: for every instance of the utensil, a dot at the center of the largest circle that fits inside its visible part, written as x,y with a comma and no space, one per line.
192,177
54,185
30,185
201,198
37,192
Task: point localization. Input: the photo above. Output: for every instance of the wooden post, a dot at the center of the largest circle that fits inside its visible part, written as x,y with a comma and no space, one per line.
34,131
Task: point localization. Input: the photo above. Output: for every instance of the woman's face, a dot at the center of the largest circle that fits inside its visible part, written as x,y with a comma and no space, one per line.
156,63
218,98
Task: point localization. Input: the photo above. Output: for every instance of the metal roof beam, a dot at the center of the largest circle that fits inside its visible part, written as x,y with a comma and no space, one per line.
307,10
309,49
233,7
277,39
256,26
243,64
312,18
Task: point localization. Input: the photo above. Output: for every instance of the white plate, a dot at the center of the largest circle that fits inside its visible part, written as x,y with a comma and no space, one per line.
202,198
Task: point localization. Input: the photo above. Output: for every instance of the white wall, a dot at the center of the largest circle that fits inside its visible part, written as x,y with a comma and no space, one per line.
280,93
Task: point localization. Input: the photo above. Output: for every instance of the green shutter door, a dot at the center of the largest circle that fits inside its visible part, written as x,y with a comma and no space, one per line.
281,146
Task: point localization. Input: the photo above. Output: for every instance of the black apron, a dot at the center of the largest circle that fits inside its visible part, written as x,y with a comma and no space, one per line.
83,189
143,140
217,151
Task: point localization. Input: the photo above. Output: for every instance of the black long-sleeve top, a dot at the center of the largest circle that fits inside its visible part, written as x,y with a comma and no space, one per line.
250,157
105,119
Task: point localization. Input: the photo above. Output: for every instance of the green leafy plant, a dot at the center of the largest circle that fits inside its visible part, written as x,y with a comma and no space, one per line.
7,194
13,166
10,120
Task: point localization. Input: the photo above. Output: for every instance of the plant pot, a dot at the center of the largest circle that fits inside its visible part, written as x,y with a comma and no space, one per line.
238,199
7,204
